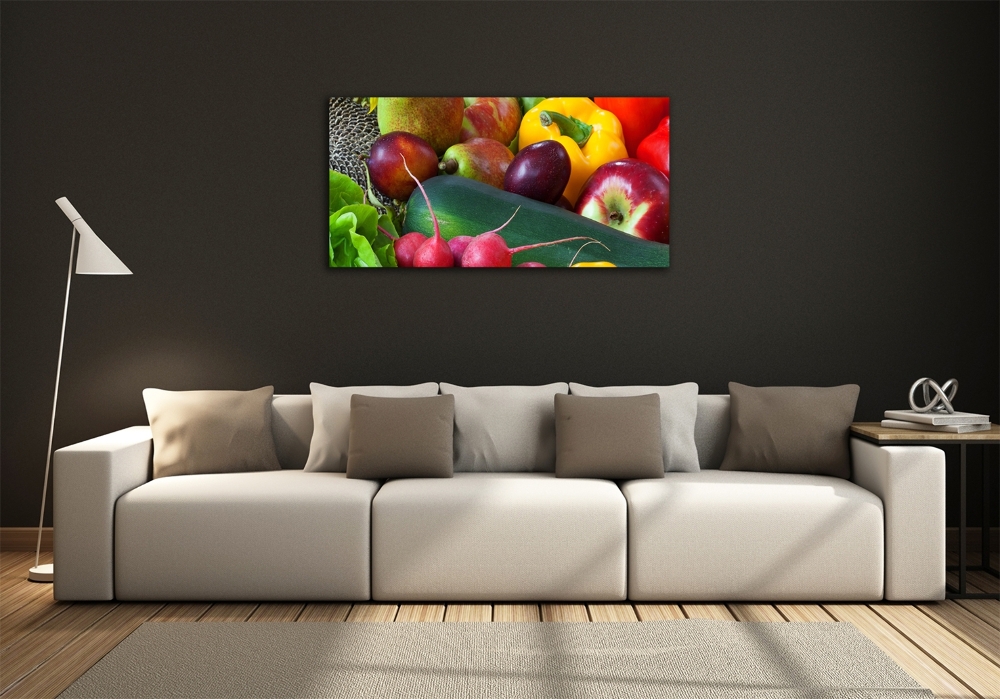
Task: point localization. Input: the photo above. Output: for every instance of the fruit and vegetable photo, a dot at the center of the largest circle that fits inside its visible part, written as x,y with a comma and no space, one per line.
578,182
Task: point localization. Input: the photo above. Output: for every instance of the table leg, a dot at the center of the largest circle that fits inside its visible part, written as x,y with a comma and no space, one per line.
961,525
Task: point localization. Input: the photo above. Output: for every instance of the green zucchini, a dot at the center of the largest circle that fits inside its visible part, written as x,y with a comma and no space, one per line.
467,207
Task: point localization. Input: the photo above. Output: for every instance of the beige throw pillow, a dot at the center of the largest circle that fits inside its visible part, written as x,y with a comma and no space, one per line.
790,429
617,438
210,431
401,437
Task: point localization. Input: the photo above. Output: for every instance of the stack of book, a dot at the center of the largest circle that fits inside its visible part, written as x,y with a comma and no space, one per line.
936,422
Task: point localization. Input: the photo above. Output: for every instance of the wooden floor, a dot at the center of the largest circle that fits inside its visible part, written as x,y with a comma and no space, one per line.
951,647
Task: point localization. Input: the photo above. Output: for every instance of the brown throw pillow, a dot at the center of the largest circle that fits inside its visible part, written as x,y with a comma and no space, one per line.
210,431
401,437
604,437
790,429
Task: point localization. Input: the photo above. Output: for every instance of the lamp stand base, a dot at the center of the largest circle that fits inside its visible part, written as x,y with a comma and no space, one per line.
43,573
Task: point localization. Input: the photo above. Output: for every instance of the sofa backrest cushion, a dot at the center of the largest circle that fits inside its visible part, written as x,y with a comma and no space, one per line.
505,428
711,429
331,408
678,413
292,425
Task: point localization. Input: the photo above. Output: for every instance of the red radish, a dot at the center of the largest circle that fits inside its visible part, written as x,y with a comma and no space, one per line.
406,247
489,249
458,245
434,251
531,264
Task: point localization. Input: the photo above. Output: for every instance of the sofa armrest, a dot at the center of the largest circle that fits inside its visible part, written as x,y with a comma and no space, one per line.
88,478
911,483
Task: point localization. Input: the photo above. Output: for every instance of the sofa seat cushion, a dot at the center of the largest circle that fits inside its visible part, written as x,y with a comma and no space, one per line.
498,536
731,535
267,535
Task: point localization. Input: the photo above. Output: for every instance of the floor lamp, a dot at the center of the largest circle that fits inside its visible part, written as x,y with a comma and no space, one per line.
93,257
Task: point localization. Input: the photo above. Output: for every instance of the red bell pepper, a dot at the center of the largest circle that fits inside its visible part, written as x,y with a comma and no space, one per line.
655,148
638,116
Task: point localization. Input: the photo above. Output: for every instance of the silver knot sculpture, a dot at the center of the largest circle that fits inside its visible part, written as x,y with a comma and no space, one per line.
943,396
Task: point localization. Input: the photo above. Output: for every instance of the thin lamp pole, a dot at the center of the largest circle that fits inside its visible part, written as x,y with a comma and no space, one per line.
55,399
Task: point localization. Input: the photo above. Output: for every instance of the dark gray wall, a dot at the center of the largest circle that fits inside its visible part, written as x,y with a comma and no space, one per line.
835,209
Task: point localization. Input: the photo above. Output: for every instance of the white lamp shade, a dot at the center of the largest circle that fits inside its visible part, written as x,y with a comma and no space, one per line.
94,256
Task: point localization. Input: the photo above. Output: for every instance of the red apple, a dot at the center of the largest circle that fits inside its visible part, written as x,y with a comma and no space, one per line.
630,196
491,117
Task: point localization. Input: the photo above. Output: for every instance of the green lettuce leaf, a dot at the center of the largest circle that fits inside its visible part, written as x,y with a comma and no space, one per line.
355,240
343,191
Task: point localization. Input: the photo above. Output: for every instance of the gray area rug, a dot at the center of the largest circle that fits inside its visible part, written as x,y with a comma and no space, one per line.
691,658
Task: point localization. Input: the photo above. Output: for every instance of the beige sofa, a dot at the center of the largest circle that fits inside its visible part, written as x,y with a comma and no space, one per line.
299,535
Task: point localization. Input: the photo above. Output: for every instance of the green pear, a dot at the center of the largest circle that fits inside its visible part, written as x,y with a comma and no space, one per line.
437,120
481,159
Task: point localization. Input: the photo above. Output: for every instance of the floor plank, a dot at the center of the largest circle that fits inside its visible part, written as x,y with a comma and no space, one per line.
277,611
612,612
182,611
420,612
11,562
707,611
24,594
229,611
322,611
60,670
15,576
918,664
32,650
659,612
966,625
28,618
984,581
516,612
755,612
372,612
469,612
564,612
986,609
16,580
804,612
952,579
955,655
20,563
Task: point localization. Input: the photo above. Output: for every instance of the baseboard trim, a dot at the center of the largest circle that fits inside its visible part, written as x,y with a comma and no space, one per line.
24,538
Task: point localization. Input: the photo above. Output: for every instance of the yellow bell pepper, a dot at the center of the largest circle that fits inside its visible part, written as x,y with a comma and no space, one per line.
599,263
591,136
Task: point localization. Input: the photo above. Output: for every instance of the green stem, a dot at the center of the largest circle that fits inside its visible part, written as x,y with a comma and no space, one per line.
568,126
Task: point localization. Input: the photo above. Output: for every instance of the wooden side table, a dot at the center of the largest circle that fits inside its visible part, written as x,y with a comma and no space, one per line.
886,436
